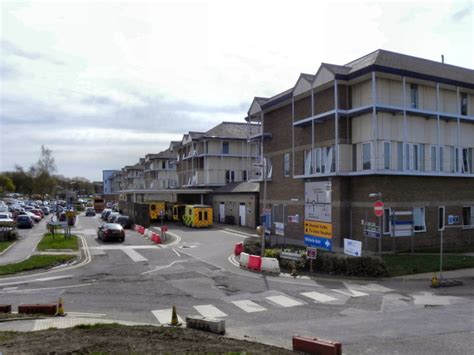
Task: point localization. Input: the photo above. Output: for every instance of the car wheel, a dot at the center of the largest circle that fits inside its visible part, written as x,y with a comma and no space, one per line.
121,240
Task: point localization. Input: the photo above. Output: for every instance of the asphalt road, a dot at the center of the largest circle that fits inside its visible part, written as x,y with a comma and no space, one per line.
140,281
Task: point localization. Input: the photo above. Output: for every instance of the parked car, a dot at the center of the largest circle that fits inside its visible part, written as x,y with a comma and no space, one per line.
110,231
63,218
112,216
24,221
105,213
31,215
90,211
37,212
124,221
45,210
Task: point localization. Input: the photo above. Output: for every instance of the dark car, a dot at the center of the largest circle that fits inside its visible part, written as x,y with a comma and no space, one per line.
90,211
23,221
124,221
111,231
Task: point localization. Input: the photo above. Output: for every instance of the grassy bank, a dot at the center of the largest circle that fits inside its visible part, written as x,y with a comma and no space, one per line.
58,242
414,264
4,245
35,262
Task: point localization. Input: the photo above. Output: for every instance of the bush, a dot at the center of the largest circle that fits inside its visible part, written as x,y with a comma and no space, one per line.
252,245
272,253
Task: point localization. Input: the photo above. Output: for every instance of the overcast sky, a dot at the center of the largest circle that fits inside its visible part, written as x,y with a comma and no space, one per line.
104,83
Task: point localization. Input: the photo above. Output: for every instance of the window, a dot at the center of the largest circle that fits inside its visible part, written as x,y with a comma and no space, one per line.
354,157
244,175
286,164
416,157
308,163
467,160
407,156
413,96
456,167
400,156
205,215
330,163
387,222
207,147
421,157
200,215
468,216
229,176
463,104
317,160
419,224
441,159
225,147
366,156
386,155
441,218
163,164
434,158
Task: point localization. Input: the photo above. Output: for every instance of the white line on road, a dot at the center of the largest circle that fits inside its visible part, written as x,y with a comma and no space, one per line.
164,315
35,280
351,293
163,267
284,301
136,257
123,247
209,311
233,261
319,297
48,288
85,314
173,249
249,306
369,287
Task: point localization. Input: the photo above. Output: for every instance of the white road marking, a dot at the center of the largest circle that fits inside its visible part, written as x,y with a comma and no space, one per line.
232,260
136,257
319,297
163,267
85,314
351,293
48,288
249,306
429,298
284,301
173,249
10,288
164,316
210,311
369,287
34,280
122,247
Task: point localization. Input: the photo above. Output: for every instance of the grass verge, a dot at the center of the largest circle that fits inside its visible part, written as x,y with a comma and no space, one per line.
35,262
58,242
4,245
414,264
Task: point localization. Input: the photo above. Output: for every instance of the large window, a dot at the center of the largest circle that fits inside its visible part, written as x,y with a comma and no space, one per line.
400,156
434,158
467,160
366,156
463,104
319,160
413,96
468,217
286,164
419,224
386,155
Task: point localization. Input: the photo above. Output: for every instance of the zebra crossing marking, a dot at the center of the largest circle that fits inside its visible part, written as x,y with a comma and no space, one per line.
351,293
249,306
132,254
284,301
369,287
210,311
319,297
164,315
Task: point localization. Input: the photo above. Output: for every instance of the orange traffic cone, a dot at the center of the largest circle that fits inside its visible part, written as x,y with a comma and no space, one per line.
60,308
174,318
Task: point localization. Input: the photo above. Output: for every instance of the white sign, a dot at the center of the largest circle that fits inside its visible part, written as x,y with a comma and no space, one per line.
279,228
317,205
290,256
352,247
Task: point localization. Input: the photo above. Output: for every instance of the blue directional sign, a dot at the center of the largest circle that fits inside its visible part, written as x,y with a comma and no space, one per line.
318,242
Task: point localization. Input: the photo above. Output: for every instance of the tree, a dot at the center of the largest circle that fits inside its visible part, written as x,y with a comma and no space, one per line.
6,184
45,163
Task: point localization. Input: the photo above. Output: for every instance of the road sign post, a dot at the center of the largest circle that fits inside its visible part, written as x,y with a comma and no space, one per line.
378,211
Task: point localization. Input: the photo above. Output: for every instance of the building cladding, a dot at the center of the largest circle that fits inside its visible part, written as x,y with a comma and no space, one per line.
386,124
107,181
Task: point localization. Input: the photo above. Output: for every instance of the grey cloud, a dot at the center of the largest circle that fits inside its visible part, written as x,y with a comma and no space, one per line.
461,14
8,47
8,72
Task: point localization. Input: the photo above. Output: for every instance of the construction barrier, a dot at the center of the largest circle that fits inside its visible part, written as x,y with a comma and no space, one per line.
244,260
239,248
270,265
316,346
212,325
155,238
142,230
145,232
5,308
255,262
48,309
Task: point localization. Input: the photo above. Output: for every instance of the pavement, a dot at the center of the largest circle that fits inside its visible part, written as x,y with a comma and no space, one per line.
26,246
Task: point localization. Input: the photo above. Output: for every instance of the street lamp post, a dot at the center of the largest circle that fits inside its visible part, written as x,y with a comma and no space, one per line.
379,196
263,165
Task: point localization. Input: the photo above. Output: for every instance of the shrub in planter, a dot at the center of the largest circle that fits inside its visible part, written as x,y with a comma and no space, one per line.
252,245
272,253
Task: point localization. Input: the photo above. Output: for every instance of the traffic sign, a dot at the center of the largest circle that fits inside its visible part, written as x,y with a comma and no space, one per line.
318,242
311,253
378,208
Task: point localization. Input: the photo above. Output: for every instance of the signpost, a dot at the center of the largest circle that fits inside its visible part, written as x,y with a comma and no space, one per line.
378,208
311,254
352,247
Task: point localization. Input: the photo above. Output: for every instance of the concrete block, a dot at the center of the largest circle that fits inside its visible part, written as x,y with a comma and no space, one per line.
271,265
212,325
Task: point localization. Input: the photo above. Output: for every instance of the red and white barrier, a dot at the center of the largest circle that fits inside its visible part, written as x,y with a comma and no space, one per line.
316,346
239,248
255,263
270,265
155,238
244,260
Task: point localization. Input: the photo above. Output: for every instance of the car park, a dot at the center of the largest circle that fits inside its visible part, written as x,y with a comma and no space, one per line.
124,221
90,211
24,221
109,231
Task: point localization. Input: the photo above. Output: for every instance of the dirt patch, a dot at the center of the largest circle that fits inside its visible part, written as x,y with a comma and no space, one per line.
115,338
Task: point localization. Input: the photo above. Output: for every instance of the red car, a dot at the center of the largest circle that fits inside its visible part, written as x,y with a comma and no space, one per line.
38,212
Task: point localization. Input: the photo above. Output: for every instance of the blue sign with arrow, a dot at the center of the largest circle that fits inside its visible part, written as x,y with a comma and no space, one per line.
318,242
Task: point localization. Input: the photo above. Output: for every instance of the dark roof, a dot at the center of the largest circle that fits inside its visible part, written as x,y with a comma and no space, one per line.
238,187
336,69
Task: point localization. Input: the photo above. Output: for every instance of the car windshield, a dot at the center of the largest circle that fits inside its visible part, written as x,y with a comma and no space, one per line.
112,226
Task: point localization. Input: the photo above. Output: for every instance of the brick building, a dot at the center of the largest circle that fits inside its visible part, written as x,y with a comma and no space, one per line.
387,125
